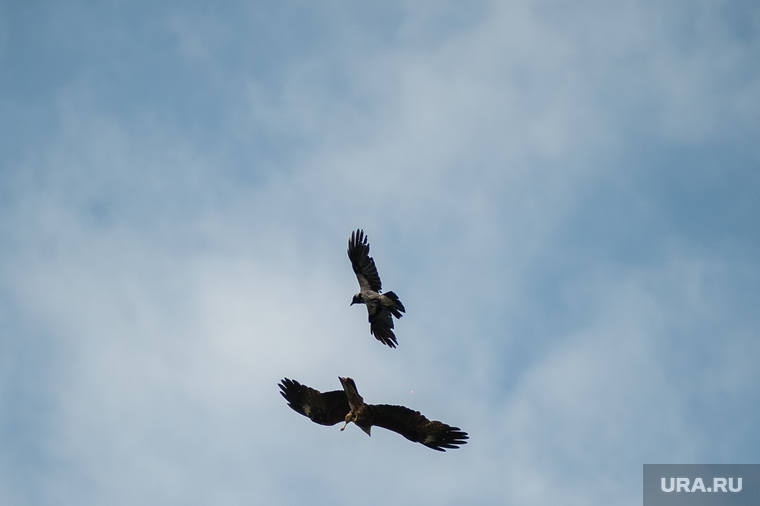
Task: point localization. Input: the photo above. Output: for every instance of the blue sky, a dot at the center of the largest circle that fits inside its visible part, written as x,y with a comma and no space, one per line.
563,195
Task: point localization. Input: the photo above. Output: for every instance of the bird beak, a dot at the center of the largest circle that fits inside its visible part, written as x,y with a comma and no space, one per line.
344,426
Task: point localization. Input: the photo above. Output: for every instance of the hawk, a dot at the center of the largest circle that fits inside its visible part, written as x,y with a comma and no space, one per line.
381,307
347,406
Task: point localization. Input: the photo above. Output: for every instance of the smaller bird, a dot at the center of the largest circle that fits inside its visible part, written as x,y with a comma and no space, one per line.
381,307
348,406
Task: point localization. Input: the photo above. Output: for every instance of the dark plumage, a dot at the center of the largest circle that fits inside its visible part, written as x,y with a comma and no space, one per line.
380,307
347,406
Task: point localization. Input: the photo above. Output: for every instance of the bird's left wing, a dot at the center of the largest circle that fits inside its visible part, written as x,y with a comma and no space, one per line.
415,427
362,263
326,408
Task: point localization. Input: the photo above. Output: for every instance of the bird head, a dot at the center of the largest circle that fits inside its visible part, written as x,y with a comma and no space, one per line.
350,417
358,299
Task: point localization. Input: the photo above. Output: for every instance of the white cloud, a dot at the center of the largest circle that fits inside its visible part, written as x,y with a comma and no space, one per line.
178,273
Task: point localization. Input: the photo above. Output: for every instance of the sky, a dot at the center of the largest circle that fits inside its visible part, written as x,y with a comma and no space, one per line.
564,195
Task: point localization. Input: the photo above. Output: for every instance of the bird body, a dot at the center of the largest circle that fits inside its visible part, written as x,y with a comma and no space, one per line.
381,307
348,406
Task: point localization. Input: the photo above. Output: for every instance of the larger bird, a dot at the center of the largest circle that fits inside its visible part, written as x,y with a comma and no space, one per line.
380,306
348,406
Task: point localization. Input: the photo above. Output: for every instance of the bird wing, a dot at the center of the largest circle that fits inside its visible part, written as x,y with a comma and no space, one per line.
381,325
362,263
415,427
326,408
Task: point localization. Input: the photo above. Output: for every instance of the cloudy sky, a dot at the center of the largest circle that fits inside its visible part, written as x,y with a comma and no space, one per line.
563,194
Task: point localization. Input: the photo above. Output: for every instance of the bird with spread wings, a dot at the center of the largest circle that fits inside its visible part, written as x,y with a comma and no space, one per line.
381,307
347,406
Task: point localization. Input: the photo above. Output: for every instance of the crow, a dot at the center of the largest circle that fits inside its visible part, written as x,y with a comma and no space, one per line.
380,306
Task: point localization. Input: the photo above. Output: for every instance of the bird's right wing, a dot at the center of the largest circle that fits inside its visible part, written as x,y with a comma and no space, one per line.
381,325
362,263
326,408
415,427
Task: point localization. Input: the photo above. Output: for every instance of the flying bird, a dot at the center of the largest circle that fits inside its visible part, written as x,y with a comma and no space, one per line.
381,307
347,406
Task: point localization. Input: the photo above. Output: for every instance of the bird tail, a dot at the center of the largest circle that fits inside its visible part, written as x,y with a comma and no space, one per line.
397,308
351,392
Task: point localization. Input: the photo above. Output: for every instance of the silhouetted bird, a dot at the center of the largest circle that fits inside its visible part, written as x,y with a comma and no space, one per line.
347,406
380,306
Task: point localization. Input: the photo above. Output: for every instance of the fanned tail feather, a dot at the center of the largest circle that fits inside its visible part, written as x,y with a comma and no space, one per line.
397,307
